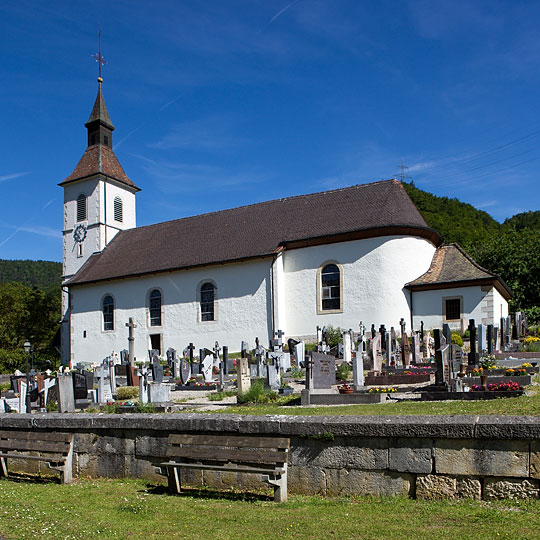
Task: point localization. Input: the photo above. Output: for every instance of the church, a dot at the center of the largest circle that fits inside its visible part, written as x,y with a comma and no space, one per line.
360,253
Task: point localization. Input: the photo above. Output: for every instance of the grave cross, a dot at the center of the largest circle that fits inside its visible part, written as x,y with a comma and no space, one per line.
131,339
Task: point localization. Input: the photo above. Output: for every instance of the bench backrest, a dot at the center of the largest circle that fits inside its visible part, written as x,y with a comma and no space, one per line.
54,443
225,448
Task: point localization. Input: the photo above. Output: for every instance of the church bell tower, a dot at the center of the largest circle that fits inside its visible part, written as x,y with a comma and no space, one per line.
99,202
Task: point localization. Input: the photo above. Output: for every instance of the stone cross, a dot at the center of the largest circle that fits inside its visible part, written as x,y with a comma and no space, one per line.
347,346
131,340
358,367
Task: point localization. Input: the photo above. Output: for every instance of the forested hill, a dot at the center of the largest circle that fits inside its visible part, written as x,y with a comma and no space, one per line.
45,275
525,220
455,221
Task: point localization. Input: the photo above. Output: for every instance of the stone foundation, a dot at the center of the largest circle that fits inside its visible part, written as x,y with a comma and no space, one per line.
428,457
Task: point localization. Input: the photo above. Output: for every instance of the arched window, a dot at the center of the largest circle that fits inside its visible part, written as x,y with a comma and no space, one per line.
330,288
81,207
208,296
108,313
118,209
155,308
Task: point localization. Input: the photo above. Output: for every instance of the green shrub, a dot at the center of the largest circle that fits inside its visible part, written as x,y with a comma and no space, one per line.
127,392
12,360
258,394
333,335
342,372
531,347
457,339
218,396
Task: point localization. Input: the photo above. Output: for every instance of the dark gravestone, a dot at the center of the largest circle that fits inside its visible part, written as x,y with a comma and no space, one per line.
120,370
323,370
225,359
80,388
490,339
447,333
157,372
473,356
89,375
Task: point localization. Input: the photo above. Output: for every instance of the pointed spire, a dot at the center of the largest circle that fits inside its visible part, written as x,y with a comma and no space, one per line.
99,111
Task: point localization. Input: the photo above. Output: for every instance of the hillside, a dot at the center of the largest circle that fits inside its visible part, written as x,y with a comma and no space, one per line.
456,221
45,275
525,220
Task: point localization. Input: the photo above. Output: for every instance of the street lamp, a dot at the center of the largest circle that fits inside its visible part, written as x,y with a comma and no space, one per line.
27,348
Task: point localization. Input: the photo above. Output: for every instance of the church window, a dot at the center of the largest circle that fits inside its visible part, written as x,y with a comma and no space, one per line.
81,207
155,308
118,209
106,140
330,288
452,308
208,294
108,313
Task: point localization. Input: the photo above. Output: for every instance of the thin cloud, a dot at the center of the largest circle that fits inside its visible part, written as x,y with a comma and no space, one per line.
281,11
12,176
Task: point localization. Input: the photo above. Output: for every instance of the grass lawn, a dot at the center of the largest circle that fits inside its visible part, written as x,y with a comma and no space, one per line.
133,509
521,406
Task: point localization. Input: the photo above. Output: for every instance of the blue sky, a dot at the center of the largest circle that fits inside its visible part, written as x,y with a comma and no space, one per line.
229,102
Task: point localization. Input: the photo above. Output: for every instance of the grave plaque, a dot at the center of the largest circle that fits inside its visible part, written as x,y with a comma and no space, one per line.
243,380
66,399
323,370
80,389
272,376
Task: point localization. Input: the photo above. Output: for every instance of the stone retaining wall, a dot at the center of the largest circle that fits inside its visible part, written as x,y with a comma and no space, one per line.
483,457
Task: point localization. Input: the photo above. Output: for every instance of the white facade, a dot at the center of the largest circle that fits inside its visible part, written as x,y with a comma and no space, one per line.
374,273
252,298
484,304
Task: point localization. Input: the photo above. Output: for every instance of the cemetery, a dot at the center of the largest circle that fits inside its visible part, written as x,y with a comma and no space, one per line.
479,457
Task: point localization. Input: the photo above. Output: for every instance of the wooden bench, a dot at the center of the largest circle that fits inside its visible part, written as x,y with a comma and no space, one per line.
235,453
55,449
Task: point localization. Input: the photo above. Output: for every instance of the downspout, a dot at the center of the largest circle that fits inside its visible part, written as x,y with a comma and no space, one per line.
66,320
105,211
272,294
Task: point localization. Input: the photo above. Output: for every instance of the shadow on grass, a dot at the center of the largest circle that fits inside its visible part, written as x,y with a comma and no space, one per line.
28,477
207,493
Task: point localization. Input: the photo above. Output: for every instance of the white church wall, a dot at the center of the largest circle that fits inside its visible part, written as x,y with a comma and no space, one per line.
72,261
108,191
428,306
243,311
500,307
374,273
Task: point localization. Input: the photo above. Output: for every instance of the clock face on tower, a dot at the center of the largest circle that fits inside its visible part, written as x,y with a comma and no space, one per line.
79,234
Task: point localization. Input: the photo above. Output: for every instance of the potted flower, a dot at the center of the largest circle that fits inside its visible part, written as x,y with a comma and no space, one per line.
345,389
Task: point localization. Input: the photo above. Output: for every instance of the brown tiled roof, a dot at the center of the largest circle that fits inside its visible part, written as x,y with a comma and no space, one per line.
259,230
452,267
99,159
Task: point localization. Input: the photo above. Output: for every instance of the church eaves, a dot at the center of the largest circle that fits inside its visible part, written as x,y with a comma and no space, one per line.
259,230
451,267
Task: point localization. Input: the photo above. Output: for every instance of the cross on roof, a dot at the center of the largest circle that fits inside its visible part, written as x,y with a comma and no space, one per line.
99,57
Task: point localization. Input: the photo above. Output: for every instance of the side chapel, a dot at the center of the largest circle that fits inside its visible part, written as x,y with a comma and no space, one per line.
361,253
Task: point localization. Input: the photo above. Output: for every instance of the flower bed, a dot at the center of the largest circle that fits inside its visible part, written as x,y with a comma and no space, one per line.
411,378
378,390
509,386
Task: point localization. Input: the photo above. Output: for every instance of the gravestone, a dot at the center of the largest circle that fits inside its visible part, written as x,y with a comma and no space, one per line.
323,371
47,385
281,359
80,388
243,380
416,357
300,353
157,369
66,398
143,384
207,365
104,390
490,339
388,359
481,339
447,333
347,346
276,344
159,392
185,370
23,389
273,379
473,356
358,368
375,354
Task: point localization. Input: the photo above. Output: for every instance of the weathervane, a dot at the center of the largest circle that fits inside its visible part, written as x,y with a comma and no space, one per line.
99,58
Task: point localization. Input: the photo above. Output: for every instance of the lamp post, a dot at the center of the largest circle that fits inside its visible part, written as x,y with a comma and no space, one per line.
27,348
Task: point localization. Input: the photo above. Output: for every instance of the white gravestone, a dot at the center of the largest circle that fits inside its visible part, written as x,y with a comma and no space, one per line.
358,368
207,365
347,347
243,380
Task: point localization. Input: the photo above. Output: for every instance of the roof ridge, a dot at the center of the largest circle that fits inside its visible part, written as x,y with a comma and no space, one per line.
292,197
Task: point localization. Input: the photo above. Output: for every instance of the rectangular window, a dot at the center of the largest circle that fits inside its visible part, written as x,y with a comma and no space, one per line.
79,250
453,309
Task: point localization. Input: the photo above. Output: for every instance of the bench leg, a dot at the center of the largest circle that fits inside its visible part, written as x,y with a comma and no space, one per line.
4,466
173,477
280,486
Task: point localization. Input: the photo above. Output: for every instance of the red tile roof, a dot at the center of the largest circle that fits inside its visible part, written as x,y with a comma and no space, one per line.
259,230
99,159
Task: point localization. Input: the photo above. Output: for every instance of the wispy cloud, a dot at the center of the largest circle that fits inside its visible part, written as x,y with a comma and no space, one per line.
178,177
208,133
12,176
282,10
